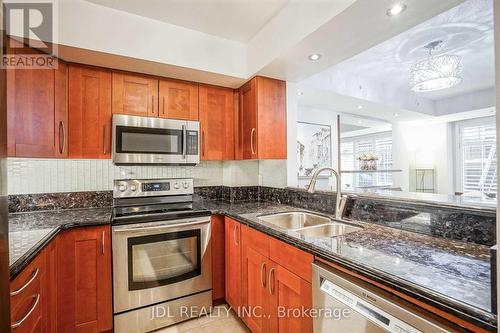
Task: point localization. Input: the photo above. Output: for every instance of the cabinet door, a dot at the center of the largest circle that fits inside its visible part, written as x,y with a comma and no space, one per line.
217,123
255,297
218,257
135,95
271,118
36,111
84,280
89,112
289,295
178,100
233,262
248,120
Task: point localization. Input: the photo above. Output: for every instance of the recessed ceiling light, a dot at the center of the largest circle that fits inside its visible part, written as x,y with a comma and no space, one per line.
396,114
359,107
300,93
359,121
314,56
396,9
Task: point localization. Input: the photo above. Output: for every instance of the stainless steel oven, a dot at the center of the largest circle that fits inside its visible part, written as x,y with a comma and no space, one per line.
146,140
161,254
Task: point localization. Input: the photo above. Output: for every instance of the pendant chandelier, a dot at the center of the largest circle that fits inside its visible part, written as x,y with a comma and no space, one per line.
436,72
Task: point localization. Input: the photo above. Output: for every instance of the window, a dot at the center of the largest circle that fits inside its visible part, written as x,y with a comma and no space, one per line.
351,148
476,156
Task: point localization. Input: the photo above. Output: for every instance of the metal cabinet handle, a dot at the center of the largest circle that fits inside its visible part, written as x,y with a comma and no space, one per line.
104,150
251,140
163,107
263,279
19,322
152,104
16,292
272,283
234,234
103,240
62,136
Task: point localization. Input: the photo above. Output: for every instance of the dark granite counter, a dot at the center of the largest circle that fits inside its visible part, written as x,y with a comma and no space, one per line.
448,274
451,275
29,232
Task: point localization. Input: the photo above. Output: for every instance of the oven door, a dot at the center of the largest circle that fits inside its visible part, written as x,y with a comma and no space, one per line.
158,261
146,140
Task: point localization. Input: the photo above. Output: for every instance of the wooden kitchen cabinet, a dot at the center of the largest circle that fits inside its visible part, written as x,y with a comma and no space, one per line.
89,125
288,291
84,297
178,100
36,112
218,258
269,286
262,119
216,123
134,94
29,297
233,262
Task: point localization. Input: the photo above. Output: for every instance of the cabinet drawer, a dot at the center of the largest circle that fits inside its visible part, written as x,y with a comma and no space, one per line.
27,299
256,240
293,259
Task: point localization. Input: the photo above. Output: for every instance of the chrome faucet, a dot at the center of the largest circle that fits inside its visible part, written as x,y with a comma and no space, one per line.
312,185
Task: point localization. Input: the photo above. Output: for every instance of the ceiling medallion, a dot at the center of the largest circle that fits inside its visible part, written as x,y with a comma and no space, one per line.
436,72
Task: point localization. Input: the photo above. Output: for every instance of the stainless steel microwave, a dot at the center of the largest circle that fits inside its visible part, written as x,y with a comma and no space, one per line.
146,140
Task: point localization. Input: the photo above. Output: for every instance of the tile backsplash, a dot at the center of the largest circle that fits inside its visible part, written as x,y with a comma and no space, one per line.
29,175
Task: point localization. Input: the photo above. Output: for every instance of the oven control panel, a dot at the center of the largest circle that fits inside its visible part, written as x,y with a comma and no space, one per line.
130,188
152,187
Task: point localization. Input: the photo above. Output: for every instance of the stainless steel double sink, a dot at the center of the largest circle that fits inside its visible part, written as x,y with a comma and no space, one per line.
309,224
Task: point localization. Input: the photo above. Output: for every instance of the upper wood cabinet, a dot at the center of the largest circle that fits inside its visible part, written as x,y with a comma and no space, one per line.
36,112
135,95
216,123
84,297
262,119
178,100
89,123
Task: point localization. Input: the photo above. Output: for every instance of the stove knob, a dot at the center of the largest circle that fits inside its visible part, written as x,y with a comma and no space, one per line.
185,185
176,186
122,188
133,188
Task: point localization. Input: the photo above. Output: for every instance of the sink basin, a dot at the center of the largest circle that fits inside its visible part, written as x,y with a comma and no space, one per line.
328,230
294,220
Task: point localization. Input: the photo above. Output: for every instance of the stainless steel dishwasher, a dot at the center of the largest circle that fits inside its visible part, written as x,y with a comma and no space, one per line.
345,304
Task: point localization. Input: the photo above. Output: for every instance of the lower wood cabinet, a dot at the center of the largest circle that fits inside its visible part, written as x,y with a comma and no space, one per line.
233,262
218,258
84,296
268,281
29,298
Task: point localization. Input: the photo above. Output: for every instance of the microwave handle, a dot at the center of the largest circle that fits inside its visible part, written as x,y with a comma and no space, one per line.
184,141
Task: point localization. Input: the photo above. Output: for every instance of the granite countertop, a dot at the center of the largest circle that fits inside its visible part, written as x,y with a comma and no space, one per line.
451,275
30,231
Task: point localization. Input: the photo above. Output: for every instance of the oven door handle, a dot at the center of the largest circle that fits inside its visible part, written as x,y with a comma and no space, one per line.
159,227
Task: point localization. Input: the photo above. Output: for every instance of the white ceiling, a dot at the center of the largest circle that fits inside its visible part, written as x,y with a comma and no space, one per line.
466,30
237,20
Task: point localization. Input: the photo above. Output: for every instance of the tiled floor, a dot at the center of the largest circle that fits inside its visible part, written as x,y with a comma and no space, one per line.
219,322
